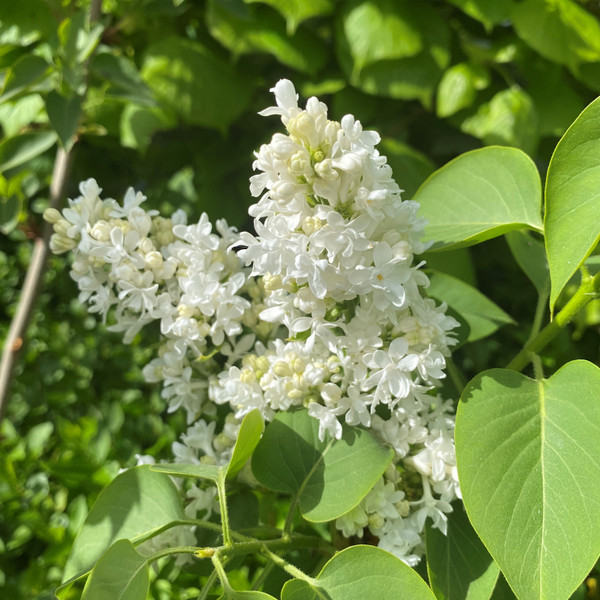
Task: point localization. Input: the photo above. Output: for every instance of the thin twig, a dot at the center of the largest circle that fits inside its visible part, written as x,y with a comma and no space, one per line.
32,283
33,278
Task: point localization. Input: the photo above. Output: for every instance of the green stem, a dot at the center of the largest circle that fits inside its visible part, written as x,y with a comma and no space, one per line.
219,568
588,290
537,367
212,578
224,513
287,528
175,550
289,568
540,309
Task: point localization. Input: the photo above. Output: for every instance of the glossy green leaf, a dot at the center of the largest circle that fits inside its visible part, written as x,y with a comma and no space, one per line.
411,167
380,30
358,573
211,472
64,114
458,88
377,61
488,13
296,11
120,574
559,30
531,257
10,209
480,195
571,223
508,119
458,565
329,477
17,150
266,32
502,590
248,437
14,116
78,37
22,76
182,74
135,504
527,455
481,315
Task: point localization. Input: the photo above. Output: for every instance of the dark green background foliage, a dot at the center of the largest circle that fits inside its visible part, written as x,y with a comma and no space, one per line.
163,95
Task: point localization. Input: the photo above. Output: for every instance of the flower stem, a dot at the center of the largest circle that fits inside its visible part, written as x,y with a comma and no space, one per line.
223,505
289,568
588,290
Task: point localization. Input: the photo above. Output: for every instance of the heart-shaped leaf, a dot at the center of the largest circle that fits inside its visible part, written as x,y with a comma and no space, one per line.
480,195
527,455
329,477
135,504
361,572
571,223
120,574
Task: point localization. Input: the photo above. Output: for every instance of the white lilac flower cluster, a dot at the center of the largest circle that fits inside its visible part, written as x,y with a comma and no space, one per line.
327,313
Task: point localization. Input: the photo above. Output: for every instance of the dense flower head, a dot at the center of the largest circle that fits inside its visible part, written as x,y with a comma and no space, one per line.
323,307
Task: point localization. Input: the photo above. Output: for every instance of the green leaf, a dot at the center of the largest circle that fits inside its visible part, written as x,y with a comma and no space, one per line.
124,77
458,564
265,32
380,30
488,13
182,74
23,23
358,573
64,114
248,437
531,257
14,116
120,574
559,30
10,209
571,223
329,477
393,48
78,37
296,11
509,119
17,150
481,315
411,167
480,195
138,124
556,100
211,472
458,88
527,456
457,263
22,76
137,503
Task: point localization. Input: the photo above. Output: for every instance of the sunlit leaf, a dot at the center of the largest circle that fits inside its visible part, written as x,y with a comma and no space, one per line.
572,226
135,504
527,455
19,149
480,195
120,574
248,437
330,477
358,573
